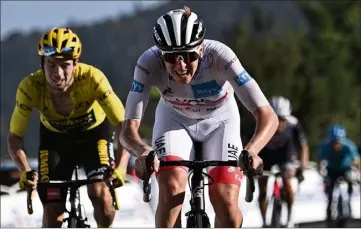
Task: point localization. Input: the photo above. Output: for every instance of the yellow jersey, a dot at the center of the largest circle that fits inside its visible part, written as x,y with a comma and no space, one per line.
92,97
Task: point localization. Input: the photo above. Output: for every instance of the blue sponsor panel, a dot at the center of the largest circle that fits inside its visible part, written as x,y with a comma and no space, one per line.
137,86
207,89
243,78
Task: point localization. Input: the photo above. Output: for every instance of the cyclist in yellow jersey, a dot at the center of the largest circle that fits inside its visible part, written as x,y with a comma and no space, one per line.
79,114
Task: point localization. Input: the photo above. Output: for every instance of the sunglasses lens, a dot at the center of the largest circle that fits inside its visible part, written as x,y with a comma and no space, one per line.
172,58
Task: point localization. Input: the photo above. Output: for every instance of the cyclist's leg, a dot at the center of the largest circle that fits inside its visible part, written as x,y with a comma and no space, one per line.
288,195
96,154
54,164
347,175
267,156
171,141
331,178
348,178
225,143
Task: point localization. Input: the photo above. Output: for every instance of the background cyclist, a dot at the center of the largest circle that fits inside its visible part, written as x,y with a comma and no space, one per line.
281,150
337,154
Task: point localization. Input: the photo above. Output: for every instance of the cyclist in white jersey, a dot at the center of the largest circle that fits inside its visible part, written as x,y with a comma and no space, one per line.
196,79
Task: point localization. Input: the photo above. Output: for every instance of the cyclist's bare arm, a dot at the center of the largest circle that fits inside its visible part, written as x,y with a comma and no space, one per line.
16,151
136,104
131,140
304,156
355,155
122,155
251,96
266,125
301,139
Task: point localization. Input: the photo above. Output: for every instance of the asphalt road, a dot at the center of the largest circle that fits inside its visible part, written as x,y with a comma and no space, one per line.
353,223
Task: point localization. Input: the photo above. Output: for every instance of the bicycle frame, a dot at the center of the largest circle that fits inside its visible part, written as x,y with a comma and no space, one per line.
277,197
197,217
76,218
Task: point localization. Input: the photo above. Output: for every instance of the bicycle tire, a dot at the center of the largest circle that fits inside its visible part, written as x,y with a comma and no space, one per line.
339,207
276,213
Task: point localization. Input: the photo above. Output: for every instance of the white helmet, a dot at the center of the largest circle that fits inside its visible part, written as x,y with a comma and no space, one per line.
178,30
281,106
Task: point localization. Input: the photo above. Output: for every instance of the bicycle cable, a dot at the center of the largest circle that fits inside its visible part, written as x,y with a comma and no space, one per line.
203,173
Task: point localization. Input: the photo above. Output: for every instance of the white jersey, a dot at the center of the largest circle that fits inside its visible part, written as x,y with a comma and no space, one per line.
220,73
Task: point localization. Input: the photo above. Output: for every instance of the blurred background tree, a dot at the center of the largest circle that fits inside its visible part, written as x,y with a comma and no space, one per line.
318,69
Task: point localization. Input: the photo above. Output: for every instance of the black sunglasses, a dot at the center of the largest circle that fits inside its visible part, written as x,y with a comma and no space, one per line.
173,57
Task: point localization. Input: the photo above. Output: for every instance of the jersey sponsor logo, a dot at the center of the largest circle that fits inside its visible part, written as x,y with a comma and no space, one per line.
80,78
143,69
53,194
229,64
23,106
159,144
207,60
167,91
232,152
85,104
25,94
196,102
103,151
40,84
187,109
97,172
44,166
242,78
80,123
137,86
207,89
105,95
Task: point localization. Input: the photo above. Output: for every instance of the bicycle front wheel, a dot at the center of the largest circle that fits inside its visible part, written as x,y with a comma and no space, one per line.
276,213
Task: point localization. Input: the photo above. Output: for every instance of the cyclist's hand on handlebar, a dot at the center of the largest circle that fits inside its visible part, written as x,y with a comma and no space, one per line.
299,175
141,168
118,177
251,164
257,165
28,180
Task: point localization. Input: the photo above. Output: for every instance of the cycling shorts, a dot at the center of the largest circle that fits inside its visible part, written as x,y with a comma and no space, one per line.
173,136
59,153
283,157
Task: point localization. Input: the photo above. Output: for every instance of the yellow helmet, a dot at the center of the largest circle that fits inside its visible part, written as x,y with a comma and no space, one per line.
60,41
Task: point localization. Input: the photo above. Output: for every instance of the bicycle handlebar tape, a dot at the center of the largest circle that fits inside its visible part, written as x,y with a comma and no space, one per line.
245,161
30,202
249,192
147,191
30,193
114,195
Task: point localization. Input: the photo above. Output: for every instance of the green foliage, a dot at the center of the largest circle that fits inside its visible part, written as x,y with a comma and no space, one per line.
318,69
